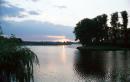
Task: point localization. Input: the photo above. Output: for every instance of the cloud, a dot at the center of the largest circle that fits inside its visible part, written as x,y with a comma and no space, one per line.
33,13
33,0
10,10
57,37
22,16
3,2
36,30
60,6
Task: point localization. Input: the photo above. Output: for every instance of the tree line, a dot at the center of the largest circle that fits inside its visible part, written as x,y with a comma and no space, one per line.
96,31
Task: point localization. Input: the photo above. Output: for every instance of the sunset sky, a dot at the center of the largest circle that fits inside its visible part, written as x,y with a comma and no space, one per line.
52,20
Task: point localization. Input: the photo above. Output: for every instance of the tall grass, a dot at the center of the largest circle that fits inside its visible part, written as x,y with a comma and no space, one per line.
16,61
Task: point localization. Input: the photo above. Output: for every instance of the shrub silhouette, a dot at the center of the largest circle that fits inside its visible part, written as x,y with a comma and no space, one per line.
96,32
16,61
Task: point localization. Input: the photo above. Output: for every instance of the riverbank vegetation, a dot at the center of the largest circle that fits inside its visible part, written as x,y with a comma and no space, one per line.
99,32
16,61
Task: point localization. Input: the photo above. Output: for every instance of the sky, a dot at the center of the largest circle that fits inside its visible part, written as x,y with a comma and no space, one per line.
52,20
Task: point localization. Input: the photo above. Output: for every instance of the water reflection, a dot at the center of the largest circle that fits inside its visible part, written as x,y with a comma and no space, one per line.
106,66
63,54
56,64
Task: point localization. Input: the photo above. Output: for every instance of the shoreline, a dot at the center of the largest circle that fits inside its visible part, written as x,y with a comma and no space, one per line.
102,48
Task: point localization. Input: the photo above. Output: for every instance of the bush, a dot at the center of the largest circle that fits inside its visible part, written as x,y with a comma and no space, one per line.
16,61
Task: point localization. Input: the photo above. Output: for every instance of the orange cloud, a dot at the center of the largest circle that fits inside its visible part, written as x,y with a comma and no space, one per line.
57,37
64,40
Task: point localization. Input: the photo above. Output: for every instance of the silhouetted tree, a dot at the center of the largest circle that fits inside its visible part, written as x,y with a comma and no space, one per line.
84,31
92,31
105,26
124,26
96,31
101,28
1,32
114,24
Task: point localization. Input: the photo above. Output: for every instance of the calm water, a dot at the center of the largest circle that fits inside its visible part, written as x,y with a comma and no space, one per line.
67,64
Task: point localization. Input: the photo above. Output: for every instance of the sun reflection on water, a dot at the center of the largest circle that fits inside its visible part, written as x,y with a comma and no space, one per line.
63,54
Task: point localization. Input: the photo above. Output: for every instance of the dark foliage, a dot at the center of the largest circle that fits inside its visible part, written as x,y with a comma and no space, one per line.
16,61
96,31
124,27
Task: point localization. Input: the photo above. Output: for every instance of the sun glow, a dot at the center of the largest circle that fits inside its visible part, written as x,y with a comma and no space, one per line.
56,37
63,40
59,38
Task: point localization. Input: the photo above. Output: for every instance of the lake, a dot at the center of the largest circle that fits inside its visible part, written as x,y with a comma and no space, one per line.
67,64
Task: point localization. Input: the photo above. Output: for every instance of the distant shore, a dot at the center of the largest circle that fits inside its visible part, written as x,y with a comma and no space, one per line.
100,48
47,43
